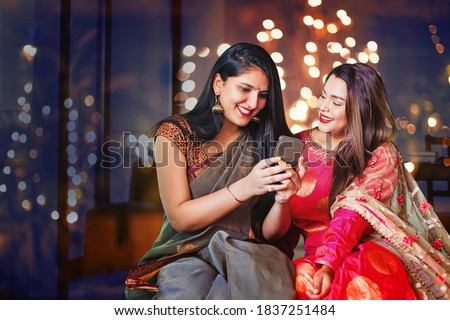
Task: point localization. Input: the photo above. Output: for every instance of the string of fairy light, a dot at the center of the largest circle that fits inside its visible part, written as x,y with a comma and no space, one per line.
27,144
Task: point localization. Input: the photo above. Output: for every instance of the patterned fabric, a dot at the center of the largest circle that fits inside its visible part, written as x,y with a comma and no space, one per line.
196,158
404,249
171,248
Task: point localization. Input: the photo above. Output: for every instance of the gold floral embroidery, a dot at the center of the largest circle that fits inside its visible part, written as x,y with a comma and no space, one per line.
304,277
381,262
308,184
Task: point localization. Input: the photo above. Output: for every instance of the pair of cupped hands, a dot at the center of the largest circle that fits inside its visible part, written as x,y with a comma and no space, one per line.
275,175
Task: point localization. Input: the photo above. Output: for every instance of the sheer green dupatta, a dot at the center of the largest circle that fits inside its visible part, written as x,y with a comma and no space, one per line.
233,164
408,226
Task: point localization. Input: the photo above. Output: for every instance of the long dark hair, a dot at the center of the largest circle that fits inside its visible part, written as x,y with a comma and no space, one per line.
205,125
236,60
368,113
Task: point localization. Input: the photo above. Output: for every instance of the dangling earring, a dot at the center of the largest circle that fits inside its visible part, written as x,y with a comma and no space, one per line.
217,108
255,119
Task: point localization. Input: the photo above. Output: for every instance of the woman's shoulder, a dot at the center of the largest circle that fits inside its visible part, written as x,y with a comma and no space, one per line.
386,152
174,126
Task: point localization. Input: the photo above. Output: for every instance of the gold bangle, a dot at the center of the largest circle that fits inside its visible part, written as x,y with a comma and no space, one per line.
229,191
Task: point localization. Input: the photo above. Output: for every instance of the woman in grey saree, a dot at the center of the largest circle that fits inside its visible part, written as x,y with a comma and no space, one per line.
217,182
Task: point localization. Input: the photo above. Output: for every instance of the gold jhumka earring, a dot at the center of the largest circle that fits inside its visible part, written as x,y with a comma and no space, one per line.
255,119
217,108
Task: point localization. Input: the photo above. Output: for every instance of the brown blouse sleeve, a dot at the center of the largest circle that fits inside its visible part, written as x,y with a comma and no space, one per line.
174,133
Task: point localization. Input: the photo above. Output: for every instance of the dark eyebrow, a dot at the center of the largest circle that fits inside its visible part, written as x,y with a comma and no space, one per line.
334,96
252,87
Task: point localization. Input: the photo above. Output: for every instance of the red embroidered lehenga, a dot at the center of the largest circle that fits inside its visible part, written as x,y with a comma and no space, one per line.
384,241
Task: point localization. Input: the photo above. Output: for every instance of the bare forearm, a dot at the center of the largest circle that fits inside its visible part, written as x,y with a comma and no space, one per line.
278,221
195,214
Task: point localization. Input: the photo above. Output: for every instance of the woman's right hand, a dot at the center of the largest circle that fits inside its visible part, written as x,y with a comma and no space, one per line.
267,177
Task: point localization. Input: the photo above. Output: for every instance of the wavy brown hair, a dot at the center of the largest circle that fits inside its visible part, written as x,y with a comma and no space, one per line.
370,123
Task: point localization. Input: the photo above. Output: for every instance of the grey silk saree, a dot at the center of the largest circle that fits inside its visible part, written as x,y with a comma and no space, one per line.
222,261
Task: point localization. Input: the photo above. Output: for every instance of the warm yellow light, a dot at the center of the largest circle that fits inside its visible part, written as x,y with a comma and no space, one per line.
203,52
336,64
414,108
351,60
345,53
305,93
309,60
296,128
372,45
432,122
318,24
221,48
308,20
297,114
363,57
411,128
312,102
336,47
277,57
89,100
263,36
409,166
302,106
182,76
280,71
314,3
332,28
350,41
374,58
268,24
346,21
314,72
341,14
29,52
282,84
276,33
26,205
312,47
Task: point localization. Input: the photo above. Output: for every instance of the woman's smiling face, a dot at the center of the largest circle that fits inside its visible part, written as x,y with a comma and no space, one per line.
331,108
242,97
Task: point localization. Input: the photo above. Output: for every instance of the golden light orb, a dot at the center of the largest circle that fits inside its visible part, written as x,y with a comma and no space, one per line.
311,46
268,24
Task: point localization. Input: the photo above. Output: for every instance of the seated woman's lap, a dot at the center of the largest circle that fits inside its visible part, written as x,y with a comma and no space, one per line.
370,272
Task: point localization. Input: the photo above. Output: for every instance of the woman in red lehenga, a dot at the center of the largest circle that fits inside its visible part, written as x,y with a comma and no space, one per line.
378,238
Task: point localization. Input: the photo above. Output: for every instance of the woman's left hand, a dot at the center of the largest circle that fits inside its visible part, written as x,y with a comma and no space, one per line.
322,283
